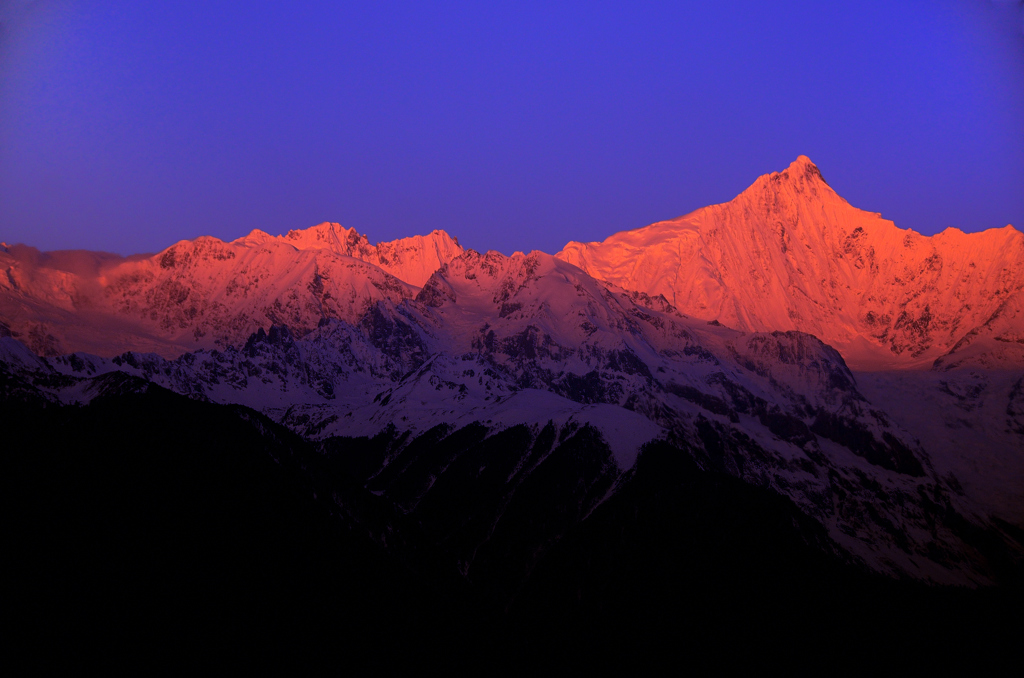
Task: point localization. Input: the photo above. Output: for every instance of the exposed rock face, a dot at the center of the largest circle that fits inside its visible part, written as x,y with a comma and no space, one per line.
790,254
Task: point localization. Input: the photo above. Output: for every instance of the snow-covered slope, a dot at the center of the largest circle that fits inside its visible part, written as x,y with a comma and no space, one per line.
532,340
205,292
790,254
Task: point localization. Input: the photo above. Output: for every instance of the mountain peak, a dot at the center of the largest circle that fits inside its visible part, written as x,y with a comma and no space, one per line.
802,162
789,253
802,169
328,235
801,182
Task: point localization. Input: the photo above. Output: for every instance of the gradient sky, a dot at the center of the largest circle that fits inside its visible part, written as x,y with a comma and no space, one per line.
126,126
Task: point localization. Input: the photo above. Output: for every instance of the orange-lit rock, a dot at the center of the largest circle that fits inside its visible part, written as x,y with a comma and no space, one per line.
790,254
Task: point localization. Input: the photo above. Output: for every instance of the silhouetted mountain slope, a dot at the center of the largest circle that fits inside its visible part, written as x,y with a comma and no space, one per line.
718,574
151,532
148,532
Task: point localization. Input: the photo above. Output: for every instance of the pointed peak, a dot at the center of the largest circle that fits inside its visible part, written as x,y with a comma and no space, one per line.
802,174
804,168
802,162
437,237
441,233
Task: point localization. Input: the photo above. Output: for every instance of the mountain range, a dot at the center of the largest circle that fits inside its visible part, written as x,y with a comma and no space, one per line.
786,254
520,409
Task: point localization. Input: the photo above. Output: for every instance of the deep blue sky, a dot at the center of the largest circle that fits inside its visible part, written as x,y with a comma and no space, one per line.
126,126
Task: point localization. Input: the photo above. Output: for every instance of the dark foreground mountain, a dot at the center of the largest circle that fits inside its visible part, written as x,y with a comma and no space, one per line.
148,532
151,532
308,448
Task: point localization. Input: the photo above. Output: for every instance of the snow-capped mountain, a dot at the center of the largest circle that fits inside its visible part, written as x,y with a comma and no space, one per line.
714,335
786,254
790,254
530,340
205,292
